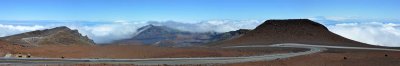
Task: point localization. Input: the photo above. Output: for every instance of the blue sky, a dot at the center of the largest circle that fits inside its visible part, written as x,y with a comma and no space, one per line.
187,10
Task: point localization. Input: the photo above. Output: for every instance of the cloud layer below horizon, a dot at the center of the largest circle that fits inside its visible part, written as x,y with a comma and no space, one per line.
371,32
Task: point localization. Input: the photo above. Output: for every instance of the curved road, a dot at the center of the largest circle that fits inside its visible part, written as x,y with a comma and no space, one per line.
177,61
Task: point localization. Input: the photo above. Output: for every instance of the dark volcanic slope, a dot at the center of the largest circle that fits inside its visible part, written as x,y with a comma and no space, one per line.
292,31
56,36
164,36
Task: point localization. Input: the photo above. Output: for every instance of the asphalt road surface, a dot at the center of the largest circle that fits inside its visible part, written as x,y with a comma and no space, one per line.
178,61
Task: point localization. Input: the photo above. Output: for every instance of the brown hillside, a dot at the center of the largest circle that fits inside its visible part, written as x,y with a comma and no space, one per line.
55,36
292,31
6,47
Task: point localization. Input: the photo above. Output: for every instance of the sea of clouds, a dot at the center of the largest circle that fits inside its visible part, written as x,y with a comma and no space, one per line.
105,32
376,32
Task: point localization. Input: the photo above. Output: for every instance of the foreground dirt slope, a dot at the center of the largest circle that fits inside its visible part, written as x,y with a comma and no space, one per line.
292,31
6,47
334,58
136,51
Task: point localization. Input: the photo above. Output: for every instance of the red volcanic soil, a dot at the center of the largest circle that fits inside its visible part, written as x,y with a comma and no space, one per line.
270,32
136,51
292,31
6,47
334,58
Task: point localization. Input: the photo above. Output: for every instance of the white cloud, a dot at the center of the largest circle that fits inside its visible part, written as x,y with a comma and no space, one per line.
211,25
339,18
383,34
106,32
13,29
21,28
377,33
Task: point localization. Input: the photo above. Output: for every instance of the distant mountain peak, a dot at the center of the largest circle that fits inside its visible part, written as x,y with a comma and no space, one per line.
61,28
158,29
151,25
164,36
306,23
56,36
146,27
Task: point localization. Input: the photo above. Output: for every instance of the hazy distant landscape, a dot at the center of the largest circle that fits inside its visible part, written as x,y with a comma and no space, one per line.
199,33
106,32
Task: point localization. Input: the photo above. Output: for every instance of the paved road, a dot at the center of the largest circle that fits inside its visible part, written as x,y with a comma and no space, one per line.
176,61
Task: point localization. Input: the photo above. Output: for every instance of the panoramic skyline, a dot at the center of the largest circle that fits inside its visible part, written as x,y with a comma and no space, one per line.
375,21
200,32
193,10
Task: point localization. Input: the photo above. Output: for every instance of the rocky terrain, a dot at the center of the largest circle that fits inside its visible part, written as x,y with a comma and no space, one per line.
292,31
231,34
63,42
55,36
169,37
